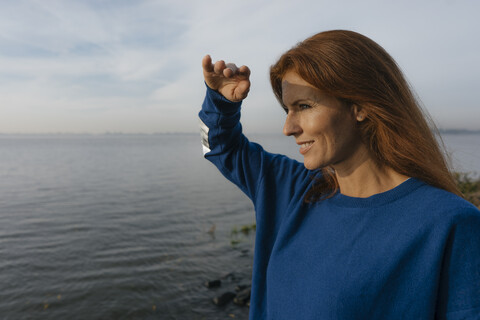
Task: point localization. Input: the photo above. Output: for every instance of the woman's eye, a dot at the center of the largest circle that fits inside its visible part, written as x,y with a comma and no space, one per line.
304,106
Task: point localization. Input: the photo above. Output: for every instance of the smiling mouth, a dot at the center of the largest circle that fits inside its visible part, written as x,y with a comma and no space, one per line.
304,147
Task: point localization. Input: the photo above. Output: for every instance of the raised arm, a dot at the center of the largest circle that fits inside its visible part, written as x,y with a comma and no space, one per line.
232,82
243,162
223,142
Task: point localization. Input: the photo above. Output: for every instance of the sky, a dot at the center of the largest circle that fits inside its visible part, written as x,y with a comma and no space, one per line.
97,66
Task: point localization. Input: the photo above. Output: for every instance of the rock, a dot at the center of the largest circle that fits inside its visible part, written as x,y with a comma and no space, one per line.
224,298
242,297
213,283
241,287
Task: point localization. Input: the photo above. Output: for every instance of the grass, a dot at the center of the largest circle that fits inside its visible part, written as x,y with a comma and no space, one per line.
469,186
243,231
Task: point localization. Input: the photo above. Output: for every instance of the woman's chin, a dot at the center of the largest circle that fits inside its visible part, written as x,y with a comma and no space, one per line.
311,166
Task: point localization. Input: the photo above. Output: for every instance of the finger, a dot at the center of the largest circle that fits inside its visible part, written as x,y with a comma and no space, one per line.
242,89
207,63
244,71
244,86
219,66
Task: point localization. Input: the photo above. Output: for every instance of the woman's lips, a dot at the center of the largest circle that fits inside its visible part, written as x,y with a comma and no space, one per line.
305,146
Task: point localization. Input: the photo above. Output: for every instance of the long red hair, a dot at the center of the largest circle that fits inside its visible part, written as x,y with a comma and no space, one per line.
358,71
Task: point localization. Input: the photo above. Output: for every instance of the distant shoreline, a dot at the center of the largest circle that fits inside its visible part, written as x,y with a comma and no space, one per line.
458,131
442,131
107,134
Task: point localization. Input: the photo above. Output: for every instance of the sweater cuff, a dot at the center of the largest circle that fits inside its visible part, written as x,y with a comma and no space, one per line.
220,103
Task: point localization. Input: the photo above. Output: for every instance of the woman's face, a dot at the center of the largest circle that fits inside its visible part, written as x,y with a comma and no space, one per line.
323,126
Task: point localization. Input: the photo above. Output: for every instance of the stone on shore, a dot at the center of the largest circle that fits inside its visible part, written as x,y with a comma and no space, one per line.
223,299
213,283
242,297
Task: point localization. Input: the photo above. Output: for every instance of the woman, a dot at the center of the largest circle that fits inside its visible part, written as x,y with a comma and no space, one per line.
371,226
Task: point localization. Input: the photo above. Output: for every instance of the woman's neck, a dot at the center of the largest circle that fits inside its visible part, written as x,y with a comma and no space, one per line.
363,177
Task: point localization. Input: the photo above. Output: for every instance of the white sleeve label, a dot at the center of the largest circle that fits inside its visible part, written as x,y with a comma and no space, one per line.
204,134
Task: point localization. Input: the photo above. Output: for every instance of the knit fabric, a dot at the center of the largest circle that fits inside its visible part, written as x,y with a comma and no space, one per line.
412,252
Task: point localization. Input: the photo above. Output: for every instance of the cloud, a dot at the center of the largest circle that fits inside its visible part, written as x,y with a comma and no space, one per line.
95,65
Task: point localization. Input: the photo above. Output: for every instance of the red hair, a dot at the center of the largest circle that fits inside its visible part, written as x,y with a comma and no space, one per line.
358,71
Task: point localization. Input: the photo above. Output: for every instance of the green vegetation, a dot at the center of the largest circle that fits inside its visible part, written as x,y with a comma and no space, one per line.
238,233
469,186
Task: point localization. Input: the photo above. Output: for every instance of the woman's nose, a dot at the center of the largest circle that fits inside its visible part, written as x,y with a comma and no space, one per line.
291,127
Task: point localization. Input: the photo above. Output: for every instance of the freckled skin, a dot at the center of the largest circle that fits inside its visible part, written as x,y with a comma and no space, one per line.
316,117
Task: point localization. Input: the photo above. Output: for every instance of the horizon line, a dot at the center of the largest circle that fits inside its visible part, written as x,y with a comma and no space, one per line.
443,130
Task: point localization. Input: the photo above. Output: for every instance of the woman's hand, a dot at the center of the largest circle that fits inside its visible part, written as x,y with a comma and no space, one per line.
232,82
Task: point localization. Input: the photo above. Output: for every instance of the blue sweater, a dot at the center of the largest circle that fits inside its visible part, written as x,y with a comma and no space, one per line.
412,252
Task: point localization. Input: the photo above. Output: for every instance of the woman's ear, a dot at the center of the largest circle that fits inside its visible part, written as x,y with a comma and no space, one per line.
359,112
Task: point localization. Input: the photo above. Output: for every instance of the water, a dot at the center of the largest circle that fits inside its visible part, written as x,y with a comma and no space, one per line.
464,150
116,226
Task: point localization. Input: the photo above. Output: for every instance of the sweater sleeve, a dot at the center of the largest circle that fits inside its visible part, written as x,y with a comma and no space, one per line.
460,285
242,162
